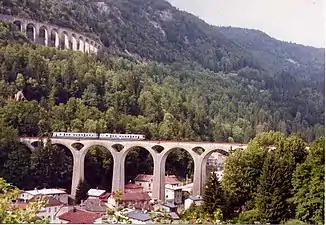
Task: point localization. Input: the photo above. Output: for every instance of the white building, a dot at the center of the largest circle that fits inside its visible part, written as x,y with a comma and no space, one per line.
146,181
58,194
95,193
51,209
173,194
197,200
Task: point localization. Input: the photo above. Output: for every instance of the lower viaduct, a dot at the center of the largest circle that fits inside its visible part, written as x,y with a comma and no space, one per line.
159,151
54,36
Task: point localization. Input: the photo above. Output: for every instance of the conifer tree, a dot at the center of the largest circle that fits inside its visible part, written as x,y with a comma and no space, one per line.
274,189
213,195
308,185
81,192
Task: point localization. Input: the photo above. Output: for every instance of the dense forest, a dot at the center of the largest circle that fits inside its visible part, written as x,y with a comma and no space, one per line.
193,81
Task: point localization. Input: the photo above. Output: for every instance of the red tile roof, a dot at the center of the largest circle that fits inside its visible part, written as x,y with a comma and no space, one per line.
51,201
17,205
169,179
105,196
79,216
133,186
135,196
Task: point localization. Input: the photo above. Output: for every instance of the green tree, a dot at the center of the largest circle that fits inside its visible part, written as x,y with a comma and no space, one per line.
50,166
308,185
81,192
213,195
242,170
274,189
16,215
17,167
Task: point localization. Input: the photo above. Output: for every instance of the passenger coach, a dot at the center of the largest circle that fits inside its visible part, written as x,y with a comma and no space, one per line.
109,136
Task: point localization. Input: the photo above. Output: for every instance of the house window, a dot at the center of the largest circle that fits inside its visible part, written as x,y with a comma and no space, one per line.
149,185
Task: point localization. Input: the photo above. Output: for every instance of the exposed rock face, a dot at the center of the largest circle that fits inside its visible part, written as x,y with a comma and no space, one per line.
19,96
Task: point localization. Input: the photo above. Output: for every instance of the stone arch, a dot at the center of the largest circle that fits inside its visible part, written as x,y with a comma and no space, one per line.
54,38
86,148
31,32
91,46
204,162
43,36
167,151
74,42
81,44
19,25
162,167
94,179
70,155
64,40
125,152
87,45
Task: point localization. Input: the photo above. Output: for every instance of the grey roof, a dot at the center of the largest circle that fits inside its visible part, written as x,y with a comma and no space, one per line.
174,216
138,215
170,205
196,198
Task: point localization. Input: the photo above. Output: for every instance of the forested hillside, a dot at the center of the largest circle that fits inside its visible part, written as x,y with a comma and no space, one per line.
155,30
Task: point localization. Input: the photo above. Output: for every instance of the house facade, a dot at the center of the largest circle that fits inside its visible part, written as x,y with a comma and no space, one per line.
146,181
133,197
59,194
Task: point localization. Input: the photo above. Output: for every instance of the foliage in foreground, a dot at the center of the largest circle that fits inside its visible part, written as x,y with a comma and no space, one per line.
14,215
309,185
276,179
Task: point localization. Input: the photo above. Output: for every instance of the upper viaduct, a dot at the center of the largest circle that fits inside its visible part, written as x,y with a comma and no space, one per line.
159,151
54,36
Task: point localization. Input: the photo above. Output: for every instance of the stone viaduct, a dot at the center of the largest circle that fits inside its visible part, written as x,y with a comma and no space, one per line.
54,36
159,150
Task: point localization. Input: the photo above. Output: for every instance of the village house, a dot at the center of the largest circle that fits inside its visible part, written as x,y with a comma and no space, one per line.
95,205
173,194
197,200
77,216
146,181
133,197
50,210
59,194
138,217
166,207
95,193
